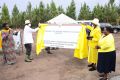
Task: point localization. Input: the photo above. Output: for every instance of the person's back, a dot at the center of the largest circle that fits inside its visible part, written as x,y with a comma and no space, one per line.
27,35
28,40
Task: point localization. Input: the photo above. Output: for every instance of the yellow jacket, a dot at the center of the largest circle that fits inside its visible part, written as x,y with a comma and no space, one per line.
96,34
106,43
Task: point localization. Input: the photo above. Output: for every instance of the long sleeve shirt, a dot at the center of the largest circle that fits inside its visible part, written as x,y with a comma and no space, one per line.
28,38
106,43
96,34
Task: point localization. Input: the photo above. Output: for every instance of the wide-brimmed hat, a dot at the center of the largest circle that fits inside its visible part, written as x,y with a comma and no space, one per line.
27,22
96,21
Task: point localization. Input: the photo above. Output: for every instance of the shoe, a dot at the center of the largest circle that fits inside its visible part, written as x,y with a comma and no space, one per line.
90,65
28,61
12,63
49,53
103,78
30,58
101,75
92,69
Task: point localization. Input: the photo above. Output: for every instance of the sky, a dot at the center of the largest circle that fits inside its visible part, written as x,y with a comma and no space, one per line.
22,4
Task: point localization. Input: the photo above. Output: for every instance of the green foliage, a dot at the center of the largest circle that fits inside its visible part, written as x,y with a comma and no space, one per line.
110,13
60,10
15,17
35,17
53,10
85,13
5,17
111,2
47,13
29,11
71,10
42,12
98,12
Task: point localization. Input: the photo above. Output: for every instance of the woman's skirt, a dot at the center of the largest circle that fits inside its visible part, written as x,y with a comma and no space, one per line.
106,62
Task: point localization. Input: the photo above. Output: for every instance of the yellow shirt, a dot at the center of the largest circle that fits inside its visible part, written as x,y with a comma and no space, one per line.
106,43
96,34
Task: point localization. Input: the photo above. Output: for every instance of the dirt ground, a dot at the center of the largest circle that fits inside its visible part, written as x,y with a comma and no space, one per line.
61,65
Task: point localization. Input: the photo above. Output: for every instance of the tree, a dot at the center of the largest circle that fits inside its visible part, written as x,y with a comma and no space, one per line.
47,13
53,10
111,2
15,16
118,11
98,13
35,16
60,10
71,10
42,12
5,17
110,13
85,13
29,12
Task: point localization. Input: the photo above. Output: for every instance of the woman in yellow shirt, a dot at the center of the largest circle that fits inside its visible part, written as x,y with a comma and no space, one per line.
106,54
93,39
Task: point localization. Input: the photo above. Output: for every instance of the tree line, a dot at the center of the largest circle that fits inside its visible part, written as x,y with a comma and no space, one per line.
110,12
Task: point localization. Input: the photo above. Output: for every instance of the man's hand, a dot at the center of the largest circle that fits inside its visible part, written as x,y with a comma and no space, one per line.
89,37
98,47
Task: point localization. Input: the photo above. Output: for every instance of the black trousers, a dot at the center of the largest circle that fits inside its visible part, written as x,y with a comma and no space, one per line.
47,49
28,48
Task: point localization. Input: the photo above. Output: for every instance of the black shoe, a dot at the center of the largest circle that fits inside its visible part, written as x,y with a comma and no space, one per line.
90,65
101,75
92,69
49,53
103,79
28,61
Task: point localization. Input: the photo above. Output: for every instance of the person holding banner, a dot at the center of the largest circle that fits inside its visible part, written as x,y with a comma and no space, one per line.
8,45
93,39
106,54
28,40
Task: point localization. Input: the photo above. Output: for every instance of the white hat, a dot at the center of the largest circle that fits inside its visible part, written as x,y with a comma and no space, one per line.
27,22
96,21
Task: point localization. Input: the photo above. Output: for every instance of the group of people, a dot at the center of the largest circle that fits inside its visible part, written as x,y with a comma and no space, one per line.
8,43
102,53
101,56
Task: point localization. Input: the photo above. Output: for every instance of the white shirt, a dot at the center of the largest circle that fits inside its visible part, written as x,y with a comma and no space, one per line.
28,38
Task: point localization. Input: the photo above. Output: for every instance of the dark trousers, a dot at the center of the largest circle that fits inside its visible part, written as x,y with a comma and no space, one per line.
28,48
47,49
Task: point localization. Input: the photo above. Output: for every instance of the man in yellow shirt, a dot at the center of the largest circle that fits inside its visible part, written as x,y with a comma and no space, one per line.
93,39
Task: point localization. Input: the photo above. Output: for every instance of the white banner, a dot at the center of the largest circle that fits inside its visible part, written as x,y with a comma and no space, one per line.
62,36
